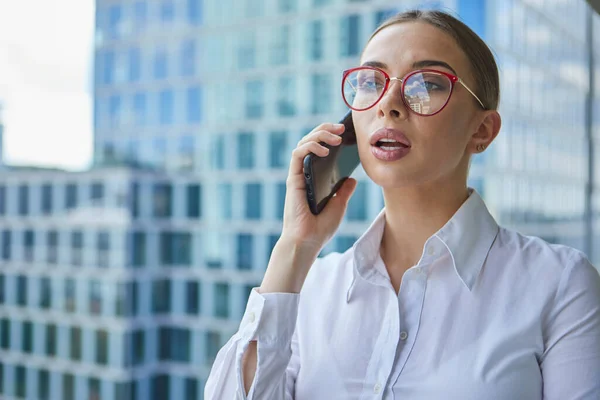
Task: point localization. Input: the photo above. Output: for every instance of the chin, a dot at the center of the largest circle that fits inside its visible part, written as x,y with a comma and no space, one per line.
390,176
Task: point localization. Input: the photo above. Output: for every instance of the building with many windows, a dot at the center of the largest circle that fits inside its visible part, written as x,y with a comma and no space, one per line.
124,281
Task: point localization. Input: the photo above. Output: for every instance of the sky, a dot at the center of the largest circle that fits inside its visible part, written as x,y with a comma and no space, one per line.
46,57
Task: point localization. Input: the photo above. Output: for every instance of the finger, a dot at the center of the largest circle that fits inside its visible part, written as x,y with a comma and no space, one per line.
321,130
297,162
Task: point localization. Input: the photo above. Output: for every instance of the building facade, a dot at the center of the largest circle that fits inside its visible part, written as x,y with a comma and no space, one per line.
124,281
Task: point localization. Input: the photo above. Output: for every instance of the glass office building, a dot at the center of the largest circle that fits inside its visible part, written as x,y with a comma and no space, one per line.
124,281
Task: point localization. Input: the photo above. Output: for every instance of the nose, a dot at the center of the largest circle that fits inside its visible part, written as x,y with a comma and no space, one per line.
391,104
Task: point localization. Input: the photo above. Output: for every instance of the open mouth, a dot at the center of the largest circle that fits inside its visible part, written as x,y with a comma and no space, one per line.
390,144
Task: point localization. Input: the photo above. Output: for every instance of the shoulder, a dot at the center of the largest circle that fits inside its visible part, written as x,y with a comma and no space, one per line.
540,259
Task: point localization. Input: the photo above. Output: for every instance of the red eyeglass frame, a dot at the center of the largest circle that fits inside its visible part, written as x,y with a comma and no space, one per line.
453,79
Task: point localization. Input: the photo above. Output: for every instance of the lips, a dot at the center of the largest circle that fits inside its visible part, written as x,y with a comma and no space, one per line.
389,138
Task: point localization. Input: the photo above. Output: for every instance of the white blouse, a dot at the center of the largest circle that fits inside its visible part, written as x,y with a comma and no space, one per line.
487,313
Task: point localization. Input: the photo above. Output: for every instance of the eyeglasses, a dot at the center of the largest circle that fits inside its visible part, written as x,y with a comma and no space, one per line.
425,92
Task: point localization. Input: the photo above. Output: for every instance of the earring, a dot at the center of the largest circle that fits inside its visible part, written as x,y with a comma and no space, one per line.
480,147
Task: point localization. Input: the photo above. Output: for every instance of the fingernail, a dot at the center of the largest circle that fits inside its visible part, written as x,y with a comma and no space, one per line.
338,125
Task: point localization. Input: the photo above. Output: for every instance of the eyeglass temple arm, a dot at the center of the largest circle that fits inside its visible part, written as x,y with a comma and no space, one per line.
470,91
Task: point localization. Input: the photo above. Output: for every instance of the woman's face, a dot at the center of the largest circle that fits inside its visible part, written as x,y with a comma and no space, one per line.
440,145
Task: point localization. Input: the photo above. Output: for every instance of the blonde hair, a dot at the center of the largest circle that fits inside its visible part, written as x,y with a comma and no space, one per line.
483,63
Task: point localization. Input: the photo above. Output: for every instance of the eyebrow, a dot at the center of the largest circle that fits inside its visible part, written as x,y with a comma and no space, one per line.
416,64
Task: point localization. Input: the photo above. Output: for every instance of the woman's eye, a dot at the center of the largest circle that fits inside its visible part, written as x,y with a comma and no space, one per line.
369,84
432,86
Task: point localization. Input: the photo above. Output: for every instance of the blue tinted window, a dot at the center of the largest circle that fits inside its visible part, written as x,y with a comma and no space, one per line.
315,45
134,64
114,21
280,199
70,196
108,68
138,253
253,200
286,96
139,108
245,150
245,244
160,64
46,198
114,109
140,15
194,104
321,94
194,11
23,200
163,203
357,207
350,27
166,107
218,153
254,99
187,61
221,300
2,200
277,149
167,10
225,200
382,15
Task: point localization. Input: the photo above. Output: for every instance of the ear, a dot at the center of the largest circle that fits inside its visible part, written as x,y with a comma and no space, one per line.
486,132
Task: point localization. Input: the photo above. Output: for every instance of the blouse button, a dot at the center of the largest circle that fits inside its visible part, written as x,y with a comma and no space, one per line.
403,335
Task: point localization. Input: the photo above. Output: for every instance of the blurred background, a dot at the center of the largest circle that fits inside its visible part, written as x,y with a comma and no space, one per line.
145,146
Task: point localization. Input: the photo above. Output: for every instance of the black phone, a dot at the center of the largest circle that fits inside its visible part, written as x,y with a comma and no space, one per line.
325,175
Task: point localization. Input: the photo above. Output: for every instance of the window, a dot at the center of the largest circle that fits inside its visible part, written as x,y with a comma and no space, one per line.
97,192
382,15
287,5
244,251
185,155
247,50
94,389
349,35
280,200
103,249
139,109
29,245
27,337
135,64
286,96
43,385
50,345
2,201
138,253
213,344
221,300
75,344
187,61
52,247
194,11
254,99
160,64
101,347
23,200
5,334
20,381
133,297
2,290
217,155
315,41
194,200
175,248
280,51
22,290
191,389
321,94
135,200
161,296
357,206
70,196
122,303
138,347
6,245
160,387
163,200
108,67
70,295
95,300
46,198
277,149
245,142
194,105
253,195
167,11
68,387
45,293
114,21
192,297
140,15
166,108
2,378
180,345
77,248
225,200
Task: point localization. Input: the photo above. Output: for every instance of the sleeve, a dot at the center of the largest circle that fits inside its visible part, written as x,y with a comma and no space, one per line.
570,364
270,319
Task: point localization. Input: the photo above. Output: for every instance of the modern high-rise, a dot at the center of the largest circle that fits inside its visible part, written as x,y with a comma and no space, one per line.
124,281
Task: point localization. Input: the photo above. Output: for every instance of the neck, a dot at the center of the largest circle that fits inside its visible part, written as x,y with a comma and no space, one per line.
412,215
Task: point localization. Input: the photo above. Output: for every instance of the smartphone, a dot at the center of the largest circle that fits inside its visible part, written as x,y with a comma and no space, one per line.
325,175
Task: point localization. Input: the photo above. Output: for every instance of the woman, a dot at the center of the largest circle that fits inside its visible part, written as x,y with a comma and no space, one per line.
435,300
